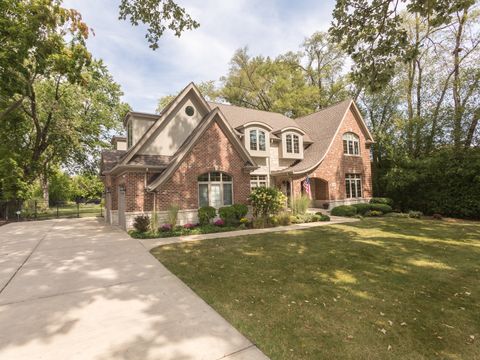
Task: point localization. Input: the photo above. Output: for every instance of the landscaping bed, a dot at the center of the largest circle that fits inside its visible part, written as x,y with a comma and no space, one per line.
379,288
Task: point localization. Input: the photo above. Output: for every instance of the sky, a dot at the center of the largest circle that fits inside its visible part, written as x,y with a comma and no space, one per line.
267,27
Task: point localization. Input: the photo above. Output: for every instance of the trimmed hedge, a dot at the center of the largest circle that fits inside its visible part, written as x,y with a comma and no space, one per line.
241,210
344,210
363,208
227,214
381,200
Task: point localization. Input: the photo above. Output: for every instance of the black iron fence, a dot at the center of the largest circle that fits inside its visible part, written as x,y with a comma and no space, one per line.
21,210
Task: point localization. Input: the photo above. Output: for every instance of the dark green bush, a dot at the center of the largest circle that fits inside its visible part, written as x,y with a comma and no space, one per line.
344,210
373,213
363,208
228,214
381,200
206,214
446,182
324,217
141,223
241,210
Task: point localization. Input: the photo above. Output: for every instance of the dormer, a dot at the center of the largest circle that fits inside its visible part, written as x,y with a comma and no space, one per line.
256,138
292,142
119,143
137,124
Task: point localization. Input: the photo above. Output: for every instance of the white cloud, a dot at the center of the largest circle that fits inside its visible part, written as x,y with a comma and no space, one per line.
267,27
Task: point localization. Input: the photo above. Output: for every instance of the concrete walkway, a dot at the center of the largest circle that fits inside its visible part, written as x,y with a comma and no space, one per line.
76,289
152,243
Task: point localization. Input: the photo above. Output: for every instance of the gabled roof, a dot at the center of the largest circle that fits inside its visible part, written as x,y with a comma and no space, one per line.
160,122
238,116
322,127
214,115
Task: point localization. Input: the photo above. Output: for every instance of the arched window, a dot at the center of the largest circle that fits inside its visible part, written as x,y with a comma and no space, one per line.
293,144
215,189
257,140
351,144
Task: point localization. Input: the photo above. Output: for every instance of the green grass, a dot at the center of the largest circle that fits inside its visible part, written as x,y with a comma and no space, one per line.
69,210
181,231
376,289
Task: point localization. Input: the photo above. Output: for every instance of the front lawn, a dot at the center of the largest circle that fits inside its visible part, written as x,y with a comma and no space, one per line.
374,289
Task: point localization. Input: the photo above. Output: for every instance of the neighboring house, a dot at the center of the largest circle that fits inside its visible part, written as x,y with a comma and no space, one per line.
198,153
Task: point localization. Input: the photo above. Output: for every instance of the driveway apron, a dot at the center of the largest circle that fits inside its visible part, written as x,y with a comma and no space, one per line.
78,289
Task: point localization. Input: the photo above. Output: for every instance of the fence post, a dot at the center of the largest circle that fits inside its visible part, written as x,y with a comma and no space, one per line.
35,209
78,209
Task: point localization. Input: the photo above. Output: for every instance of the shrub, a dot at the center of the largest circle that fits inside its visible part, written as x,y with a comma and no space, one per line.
241,210
219,222
373,213
381,200
437,216
284,218
344,210
189,226
228,214
415,214
259,223
300,205
141,223
244,221
273,220
324,217
172,215
266,201
206,214
166,227
363,208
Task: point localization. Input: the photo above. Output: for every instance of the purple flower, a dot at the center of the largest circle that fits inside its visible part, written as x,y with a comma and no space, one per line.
219,222
189,226
166,227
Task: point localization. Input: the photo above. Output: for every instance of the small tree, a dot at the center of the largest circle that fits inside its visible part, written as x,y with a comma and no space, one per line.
266,201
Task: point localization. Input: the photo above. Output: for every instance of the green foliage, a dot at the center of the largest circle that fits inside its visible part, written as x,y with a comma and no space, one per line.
228,214
373,213
415,214
206,214
154,221
363,208
172,214
381,200
86,186
448,183
157,16
300,205
241,210
324,217
284,218
397,215
141,223
266,201
344,210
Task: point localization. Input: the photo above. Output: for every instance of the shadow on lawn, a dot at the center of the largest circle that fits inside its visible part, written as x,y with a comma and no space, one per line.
374,289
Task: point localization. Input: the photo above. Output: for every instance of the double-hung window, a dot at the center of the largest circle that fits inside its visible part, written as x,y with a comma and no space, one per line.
257,140
258,181
215,189
353,186
351,144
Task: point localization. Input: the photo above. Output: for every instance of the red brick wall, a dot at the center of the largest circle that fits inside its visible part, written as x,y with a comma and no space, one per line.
212,152
335,165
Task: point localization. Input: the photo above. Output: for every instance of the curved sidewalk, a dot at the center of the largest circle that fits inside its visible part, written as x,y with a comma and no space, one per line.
77,289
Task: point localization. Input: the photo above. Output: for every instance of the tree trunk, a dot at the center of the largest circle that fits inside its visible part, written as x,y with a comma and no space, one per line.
44,184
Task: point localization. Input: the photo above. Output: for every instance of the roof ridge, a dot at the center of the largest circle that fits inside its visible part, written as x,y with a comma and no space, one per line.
246,108
349,100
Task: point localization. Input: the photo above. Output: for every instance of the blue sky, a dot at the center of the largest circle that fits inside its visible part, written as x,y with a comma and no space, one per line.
267,27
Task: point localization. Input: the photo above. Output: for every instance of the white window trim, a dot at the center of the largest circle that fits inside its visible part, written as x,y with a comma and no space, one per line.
292,139
257,132
221,183
353,179
257,181
355,139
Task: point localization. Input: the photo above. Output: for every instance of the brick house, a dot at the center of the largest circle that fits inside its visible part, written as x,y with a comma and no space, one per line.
197,153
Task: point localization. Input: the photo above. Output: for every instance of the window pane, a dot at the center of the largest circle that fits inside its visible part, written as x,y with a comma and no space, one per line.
359,188
289,143
215,196
345,146
227,194
261,140
253,139
296,144
203,177
226,177
350,146
203,194
355,144
347,188
215,176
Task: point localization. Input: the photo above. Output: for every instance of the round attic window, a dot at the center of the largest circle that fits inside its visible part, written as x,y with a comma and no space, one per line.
189,110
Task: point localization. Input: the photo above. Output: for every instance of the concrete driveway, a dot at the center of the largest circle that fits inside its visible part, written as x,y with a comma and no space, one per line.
76,289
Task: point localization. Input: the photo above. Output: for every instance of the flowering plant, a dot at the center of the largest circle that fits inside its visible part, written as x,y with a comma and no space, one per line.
219,222
189,226
166,227
267,201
